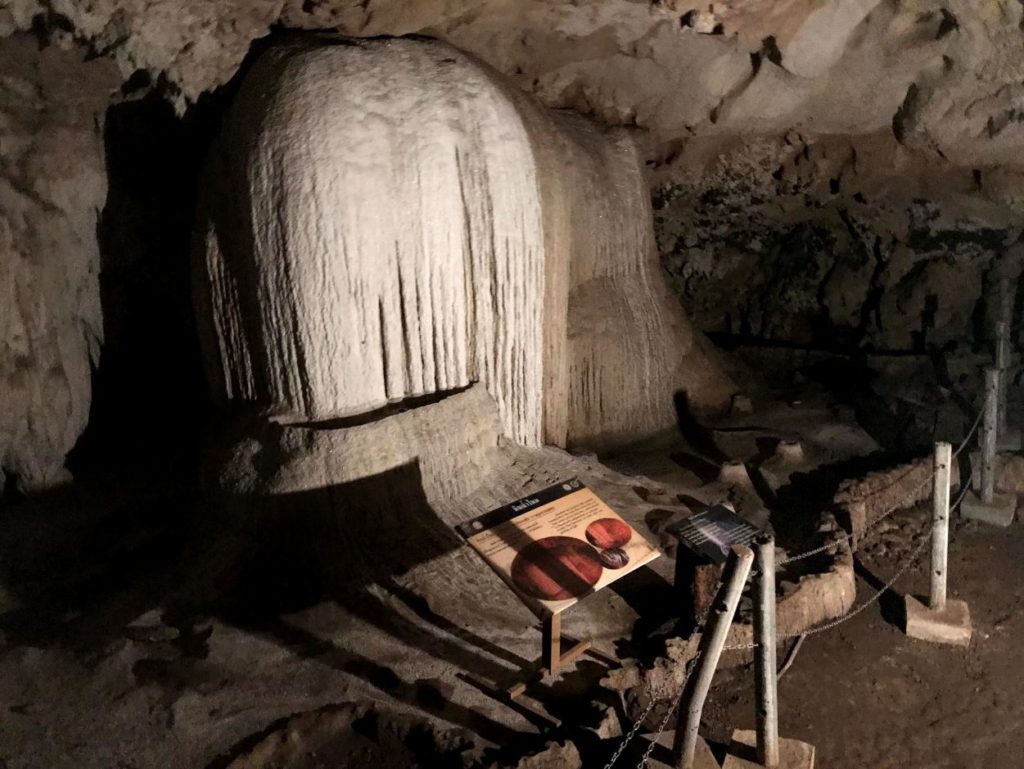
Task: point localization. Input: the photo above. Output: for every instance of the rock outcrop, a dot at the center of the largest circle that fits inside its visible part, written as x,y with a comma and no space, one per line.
388,221
883,137
837,174
52,187
837,242
944,74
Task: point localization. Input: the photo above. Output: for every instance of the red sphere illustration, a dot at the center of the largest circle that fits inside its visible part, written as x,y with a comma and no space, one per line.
556,568
607,533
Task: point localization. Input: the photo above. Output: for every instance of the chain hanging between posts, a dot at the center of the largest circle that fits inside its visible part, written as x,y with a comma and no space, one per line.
647,711
911,560
870,530
691,664
668,716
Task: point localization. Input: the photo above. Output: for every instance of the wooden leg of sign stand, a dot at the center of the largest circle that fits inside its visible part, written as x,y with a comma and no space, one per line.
552,640
550,664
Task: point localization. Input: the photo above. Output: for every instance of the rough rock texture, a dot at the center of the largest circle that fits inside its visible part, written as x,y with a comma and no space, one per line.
350,735
826,67
824,595
196,45
555,755
831,174
863,502
52,186
1009,473
837,173
326,503
334,287
837,242
943,73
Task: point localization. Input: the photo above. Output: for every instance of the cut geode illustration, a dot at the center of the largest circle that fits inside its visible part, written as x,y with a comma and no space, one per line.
556,568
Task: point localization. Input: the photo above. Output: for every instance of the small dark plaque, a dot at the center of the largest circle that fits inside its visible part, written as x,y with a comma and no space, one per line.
711,533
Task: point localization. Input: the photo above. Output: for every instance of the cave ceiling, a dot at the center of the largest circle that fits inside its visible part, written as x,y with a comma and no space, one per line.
943,77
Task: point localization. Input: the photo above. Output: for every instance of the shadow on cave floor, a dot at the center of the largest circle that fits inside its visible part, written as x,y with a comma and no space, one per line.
89,560
798,504
80,561
891,604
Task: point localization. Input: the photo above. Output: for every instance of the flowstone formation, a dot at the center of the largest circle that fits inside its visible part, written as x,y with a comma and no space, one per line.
356,258
840,174
865,139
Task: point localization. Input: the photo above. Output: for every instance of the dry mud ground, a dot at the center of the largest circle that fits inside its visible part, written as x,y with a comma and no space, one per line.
868,697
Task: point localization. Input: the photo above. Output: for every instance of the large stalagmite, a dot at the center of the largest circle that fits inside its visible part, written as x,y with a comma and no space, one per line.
387,220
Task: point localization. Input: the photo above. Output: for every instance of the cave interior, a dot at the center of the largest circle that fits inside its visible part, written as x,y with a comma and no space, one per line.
292,291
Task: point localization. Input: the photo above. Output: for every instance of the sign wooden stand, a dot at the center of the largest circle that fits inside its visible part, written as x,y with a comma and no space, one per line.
553,547
550,663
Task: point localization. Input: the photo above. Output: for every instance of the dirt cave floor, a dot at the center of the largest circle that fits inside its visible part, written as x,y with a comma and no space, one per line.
869,697
99,669
863,693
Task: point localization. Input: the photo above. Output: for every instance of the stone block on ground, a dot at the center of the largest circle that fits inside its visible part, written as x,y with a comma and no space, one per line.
661,757
793,754
1009,439
952,625
998,512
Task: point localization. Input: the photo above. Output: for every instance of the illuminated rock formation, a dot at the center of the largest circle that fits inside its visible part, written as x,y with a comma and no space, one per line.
389,220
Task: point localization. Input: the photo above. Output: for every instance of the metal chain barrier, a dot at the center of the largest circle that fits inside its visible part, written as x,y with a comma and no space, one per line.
850,534
634,729
870,529
912,558
691,664
668,716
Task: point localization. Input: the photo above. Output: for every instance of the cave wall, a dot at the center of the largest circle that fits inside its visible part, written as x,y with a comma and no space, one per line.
937,80
943,75
842,173
52,188
836,242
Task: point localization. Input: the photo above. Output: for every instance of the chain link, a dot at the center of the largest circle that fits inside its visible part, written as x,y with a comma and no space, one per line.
870,529
632,732
652,701
668,716
691,664
854,612
911,560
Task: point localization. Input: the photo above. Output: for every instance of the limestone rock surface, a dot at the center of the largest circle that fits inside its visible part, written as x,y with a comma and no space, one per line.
884,134
389,220
949,69
52,187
